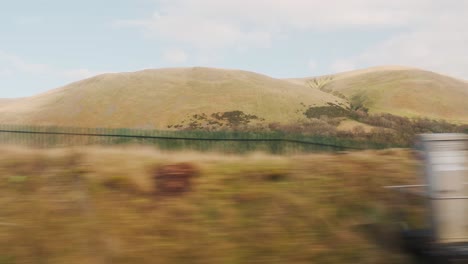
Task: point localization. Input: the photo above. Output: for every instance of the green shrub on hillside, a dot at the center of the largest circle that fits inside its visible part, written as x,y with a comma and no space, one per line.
358,102
330,111
232,120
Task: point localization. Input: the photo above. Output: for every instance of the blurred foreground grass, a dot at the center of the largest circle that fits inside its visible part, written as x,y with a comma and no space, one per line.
98,205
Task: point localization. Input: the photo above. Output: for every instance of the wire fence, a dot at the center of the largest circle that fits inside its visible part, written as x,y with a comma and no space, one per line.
222,141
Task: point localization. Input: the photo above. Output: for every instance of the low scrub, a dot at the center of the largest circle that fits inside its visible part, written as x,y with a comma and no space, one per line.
74,206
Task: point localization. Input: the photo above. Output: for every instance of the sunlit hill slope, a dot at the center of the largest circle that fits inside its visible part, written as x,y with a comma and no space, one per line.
165,97
158,98
401,91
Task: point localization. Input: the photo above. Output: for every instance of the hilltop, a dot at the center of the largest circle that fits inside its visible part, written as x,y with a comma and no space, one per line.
164,97
173,98
401,91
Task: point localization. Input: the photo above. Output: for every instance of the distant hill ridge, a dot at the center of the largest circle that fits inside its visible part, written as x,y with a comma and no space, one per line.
162,98
403,91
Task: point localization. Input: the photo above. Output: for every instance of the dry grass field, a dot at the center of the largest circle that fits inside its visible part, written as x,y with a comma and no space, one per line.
100,205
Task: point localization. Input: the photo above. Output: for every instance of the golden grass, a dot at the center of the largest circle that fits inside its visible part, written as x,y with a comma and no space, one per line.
58,208
350,125
406,92
158,98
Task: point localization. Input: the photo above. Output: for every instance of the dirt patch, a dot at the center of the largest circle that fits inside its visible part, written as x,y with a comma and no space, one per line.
175,178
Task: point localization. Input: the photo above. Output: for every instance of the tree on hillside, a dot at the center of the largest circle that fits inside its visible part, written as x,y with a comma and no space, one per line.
358,102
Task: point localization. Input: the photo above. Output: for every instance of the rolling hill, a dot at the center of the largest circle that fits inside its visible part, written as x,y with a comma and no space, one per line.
400,91
162,98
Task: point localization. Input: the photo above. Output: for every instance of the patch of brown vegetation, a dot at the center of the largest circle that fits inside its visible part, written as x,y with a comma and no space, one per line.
175,178
237,211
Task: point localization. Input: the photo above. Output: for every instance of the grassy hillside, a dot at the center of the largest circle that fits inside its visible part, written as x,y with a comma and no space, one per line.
400,91
200,97
159,98
74,206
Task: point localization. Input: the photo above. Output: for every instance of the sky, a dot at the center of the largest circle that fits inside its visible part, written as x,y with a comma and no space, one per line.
45,44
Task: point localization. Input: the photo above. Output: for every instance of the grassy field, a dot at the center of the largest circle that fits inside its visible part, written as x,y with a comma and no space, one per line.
99,205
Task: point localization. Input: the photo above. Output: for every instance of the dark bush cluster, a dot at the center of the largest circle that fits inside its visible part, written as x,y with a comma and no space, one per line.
389,130
234,120
331,110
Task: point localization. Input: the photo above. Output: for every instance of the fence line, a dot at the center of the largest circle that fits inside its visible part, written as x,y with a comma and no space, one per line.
181,138
276,142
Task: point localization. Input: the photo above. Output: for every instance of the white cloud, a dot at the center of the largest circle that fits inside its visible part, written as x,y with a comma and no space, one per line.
201,32
342,66
215,23
209,59
12,63
79,74
438,45
424,33
312,66
316,14
5,72
175,56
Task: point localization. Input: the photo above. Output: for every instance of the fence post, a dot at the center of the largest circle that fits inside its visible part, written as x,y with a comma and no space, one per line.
446,174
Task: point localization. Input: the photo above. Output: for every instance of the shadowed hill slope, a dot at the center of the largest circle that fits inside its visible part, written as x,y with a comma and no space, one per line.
164,97
400,91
